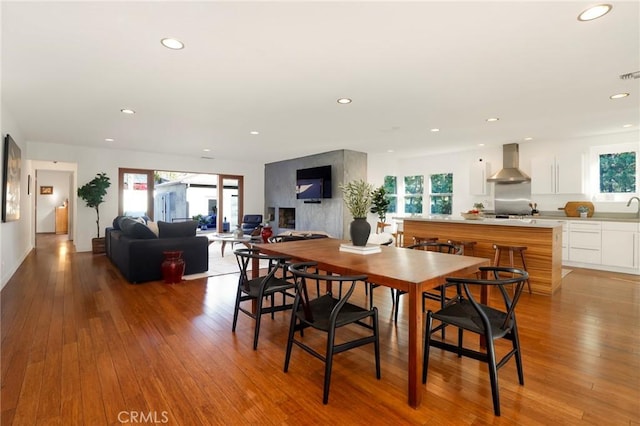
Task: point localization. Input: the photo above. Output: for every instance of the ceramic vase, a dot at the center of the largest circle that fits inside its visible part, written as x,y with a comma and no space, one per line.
172,267
359,231
266,233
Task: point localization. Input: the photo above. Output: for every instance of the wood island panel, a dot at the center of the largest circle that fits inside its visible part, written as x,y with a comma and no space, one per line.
543,254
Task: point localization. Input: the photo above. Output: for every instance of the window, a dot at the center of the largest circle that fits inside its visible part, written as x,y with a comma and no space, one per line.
441,193
615,171
413,190
391,188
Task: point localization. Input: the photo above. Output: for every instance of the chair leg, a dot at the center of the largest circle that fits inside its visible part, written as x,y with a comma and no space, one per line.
516,346
493,375
256,332
327,365
292,331
236,310
376,344
524,266
397,306
370,286
427,340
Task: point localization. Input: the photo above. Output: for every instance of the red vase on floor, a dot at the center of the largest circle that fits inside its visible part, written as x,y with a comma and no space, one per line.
266,233
172,267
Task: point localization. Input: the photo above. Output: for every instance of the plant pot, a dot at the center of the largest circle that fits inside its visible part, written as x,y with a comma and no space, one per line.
172,267
97,245
584,214
359,231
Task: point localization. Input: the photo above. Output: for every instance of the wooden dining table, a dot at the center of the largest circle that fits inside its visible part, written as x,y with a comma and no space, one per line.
412,271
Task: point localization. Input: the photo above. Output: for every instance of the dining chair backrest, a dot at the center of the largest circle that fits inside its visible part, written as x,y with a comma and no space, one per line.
439,247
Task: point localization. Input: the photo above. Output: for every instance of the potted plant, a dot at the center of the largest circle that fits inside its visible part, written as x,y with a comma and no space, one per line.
358,197
583,210
380,205
92,193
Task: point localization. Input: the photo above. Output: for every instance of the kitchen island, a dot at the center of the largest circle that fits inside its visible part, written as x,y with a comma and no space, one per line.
543,240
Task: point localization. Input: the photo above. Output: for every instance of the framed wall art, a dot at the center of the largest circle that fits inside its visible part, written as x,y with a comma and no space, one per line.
11,169
46,190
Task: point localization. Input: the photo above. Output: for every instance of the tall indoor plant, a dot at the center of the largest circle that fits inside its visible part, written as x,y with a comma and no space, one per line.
92,193
380,205
358,197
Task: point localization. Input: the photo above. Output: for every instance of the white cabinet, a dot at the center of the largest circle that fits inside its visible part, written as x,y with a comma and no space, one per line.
478,174
557,175
620,244
585,241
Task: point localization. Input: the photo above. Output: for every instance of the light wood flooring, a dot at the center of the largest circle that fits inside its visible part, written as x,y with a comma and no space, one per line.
81,346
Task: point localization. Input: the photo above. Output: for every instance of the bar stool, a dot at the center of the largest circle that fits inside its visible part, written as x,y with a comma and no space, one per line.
418,240
469,246
511,249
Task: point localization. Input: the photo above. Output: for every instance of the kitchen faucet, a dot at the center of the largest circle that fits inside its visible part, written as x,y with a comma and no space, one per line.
629,203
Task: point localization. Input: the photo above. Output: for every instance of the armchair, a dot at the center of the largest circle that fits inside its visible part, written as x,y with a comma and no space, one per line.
250,222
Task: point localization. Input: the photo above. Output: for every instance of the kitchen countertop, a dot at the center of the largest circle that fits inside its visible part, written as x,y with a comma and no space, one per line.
528,220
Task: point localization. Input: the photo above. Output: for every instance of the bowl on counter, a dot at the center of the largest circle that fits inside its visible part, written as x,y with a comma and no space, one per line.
472,216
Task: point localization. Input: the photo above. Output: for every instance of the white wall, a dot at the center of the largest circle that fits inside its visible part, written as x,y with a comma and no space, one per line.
46,204
17,237
91,161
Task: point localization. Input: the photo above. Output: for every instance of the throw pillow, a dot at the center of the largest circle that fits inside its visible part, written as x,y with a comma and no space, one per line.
134,229
154,227
177,229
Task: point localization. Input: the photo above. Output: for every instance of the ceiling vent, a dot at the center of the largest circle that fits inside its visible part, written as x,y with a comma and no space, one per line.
630,75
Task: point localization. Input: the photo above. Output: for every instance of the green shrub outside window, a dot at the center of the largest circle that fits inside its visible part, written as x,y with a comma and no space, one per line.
441,194
390,186
413,189
618,172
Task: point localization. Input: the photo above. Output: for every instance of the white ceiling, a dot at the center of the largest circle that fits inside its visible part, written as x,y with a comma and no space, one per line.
279,67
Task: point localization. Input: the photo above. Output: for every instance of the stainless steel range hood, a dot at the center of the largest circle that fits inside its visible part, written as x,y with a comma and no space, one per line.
510,162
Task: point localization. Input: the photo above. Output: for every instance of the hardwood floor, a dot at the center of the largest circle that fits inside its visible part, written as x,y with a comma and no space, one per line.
82,346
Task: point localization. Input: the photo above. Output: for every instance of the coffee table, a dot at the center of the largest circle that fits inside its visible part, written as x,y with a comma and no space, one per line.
229,238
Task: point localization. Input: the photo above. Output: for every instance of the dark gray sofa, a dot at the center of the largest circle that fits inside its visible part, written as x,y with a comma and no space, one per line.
138,253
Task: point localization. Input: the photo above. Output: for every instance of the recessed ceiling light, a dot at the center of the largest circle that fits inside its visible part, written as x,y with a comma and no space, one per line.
344,101
435,130
594,12
627,125
109,140
127,111
480,144
206,150
619,96
172,43
528,138
390,150
492,119
254,132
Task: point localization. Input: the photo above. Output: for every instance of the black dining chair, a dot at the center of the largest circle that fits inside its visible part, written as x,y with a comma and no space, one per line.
327,314
436,293
263,287
492,323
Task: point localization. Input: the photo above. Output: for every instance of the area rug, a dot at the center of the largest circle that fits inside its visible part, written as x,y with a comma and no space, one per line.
219,265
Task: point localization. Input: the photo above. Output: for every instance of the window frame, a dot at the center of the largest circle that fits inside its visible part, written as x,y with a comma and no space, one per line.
594,162
440,194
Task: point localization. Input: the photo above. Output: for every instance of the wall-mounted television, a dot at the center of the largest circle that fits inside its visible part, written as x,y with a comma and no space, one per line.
313,183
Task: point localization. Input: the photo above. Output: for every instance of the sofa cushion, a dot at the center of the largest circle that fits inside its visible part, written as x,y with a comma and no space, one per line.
177,229
118,220
134,229
154,227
